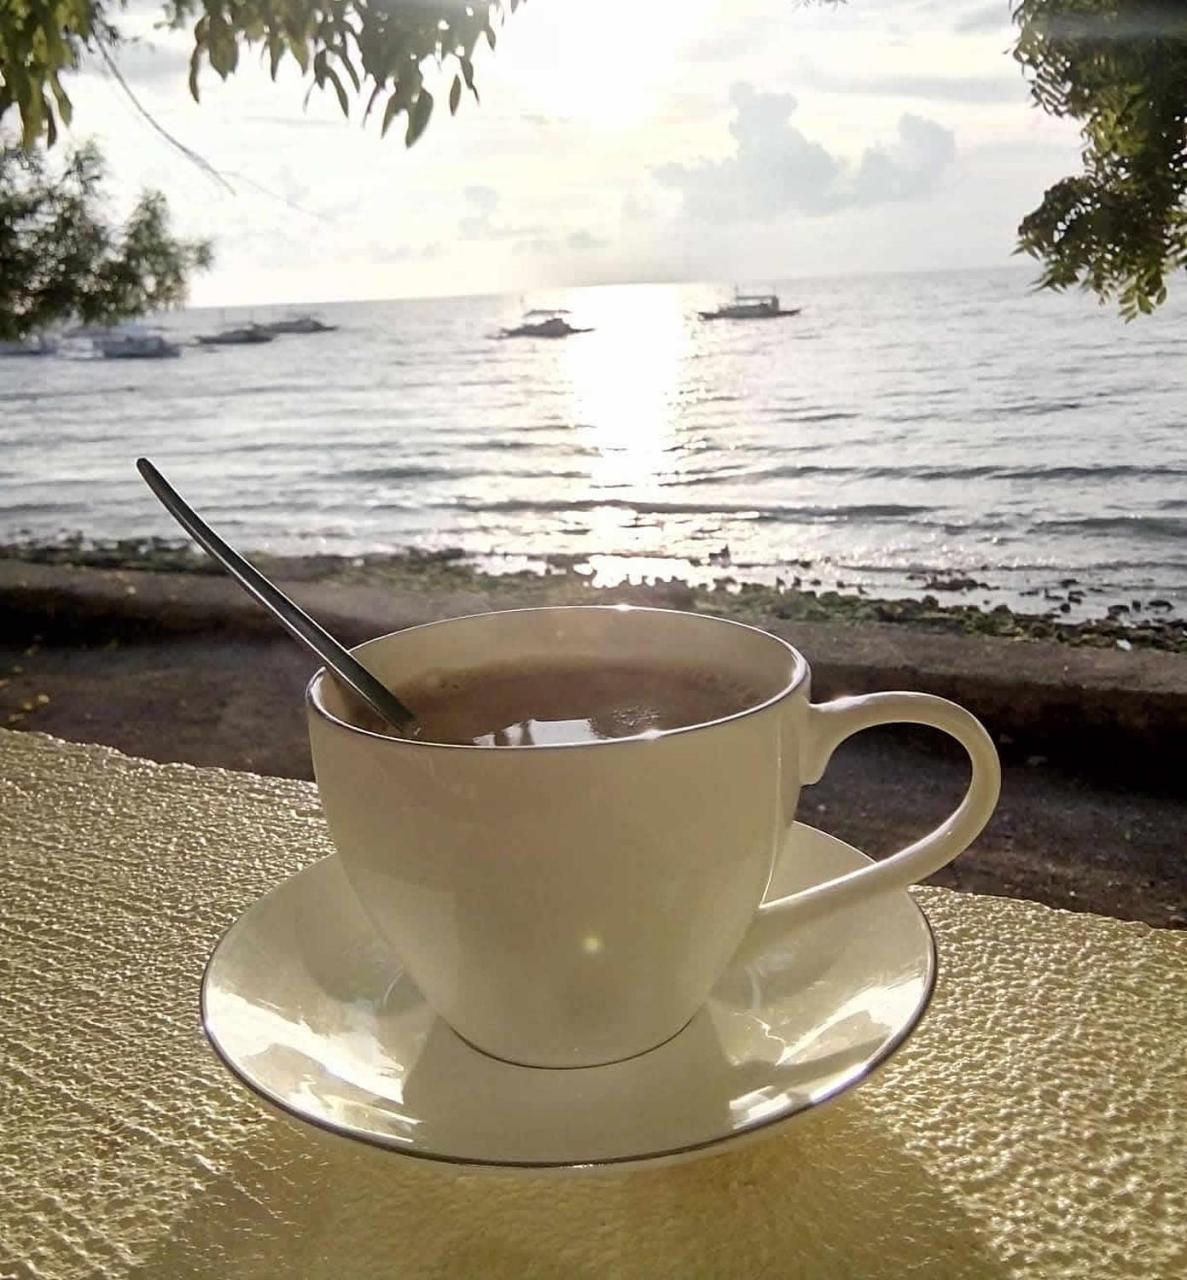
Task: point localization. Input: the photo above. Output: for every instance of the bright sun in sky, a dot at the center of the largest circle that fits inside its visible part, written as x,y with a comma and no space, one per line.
607,63
615,141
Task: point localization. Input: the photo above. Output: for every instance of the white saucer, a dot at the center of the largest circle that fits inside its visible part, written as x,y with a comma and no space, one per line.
303,1003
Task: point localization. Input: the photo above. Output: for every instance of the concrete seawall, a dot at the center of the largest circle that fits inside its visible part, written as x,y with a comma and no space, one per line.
1049,697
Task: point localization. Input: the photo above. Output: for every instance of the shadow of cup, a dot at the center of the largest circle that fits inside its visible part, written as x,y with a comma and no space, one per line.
835,1196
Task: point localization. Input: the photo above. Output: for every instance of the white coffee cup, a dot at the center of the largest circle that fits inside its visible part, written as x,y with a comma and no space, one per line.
574,904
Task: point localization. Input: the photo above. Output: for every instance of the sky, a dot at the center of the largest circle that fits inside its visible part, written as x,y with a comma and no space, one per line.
616,140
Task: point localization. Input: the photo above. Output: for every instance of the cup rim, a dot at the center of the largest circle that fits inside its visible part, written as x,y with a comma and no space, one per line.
800,671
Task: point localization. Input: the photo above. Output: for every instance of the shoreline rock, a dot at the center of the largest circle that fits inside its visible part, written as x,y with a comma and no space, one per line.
1126,627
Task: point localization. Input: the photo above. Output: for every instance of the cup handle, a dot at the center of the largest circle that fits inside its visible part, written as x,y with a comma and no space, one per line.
828,725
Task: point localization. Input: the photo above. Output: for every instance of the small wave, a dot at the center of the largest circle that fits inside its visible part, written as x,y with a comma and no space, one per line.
47,439
910,418
561,448
1172,527
539,475
835,416
936,473
497,444
794,471
555,427
791,471
411,472
42,508
694,447
716,476
869,511
42,397
1031,408
859,511
255,389
1149,567
1115,472
269,446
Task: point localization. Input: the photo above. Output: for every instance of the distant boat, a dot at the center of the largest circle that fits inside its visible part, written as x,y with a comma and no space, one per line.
39,345
750,306
134,343
298,324
543,324
246,335
117,342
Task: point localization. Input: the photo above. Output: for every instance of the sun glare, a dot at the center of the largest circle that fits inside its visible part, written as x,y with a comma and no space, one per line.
624,380
606,62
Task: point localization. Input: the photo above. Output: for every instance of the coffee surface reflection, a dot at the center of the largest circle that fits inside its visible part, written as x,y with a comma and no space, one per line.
552,704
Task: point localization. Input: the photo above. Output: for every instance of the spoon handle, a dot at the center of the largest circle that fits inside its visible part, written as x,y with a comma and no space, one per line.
339,660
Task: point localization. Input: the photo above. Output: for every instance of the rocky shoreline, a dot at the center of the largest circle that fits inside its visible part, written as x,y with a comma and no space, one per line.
1141,624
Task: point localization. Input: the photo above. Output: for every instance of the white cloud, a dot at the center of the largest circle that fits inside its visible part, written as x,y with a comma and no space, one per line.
482,203
150,62
776,169
553,178
727,44
636,207
946,88
905,169
484,199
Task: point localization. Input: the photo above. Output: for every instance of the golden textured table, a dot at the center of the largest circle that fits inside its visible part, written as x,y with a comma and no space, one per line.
1035,1126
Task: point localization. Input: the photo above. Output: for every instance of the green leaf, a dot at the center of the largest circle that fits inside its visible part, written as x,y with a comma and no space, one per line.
32,114
371,101
389,113
468,75
418,117
353,44
344,58
275,53
299,48
65,106
195,67
222,50
343,101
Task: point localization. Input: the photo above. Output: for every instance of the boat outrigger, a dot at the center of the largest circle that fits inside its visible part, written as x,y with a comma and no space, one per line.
247,335
302,323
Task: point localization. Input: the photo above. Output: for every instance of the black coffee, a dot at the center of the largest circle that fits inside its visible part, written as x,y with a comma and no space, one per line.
570,701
